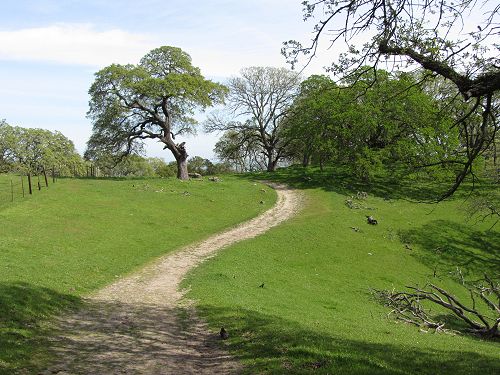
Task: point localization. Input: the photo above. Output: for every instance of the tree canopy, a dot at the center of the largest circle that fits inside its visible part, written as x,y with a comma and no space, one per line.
431,34
155,99
370,126
34,150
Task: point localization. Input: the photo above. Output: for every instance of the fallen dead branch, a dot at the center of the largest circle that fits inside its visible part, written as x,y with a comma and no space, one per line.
481,316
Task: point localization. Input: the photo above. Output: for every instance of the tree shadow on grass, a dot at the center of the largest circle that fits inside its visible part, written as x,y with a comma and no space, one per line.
24,312
45,332
341,181
106,337
446,245
273,345
112,337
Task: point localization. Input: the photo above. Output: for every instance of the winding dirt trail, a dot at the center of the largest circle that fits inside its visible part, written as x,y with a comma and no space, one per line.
134,326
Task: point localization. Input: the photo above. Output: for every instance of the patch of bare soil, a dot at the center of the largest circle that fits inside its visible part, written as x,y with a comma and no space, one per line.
138,326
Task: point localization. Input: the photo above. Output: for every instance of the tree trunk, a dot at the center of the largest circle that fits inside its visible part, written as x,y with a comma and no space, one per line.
182,170
271,164
305,160
180,155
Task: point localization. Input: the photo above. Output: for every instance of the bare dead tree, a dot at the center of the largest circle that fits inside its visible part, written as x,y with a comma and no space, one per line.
482,315
429,34
258,102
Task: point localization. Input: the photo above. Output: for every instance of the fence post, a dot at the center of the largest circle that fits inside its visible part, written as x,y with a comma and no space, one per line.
29,184
22,184
53,174
45,176
11,190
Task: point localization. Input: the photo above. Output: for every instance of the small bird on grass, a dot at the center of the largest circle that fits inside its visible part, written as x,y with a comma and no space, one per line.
223,334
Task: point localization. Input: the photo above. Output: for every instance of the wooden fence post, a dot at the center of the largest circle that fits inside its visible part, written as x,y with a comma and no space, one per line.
45,176
11,190
29,184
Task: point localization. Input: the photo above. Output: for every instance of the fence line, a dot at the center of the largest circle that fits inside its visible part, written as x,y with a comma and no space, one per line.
14,187
17,186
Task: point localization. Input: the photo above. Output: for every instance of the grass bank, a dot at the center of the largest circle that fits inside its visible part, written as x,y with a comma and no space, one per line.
78,235
315,313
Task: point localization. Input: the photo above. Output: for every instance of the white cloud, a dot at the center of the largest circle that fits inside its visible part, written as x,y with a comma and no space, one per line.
79,44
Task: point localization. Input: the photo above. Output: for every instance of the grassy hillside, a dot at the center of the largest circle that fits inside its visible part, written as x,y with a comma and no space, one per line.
81,234
315,313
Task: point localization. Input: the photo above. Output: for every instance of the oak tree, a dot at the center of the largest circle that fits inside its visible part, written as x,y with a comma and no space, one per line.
430,34
155,99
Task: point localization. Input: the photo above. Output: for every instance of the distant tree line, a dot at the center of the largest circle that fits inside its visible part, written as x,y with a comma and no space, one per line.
134,165
33,151
375,123
26,150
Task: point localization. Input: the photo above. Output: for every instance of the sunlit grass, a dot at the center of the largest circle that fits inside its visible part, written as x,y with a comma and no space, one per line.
78,235
315,313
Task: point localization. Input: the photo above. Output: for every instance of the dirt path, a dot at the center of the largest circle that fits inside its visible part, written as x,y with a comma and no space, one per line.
133,326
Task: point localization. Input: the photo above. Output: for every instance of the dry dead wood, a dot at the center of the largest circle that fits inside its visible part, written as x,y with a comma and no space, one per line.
481,315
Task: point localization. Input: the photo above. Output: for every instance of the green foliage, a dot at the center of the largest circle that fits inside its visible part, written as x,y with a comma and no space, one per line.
155,99
429,35
33,150
128,166
315,314
370,126
82,234
161,168
198,165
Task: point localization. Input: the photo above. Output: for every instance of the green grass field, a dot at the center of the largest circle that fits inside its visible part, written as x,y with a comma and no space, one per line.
315,313
78,235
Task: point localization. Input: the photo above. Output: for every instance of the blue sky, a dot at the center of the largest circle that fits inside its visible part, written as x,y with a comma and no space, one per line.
49,51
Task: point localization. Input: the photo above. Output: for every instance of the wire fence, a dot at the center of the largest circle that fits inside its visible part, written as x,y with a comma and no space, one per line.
14,187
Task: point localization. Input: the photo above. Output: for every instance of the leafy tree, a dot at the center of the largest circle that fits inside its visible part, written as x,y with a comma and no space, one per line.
370,126
161,168
8,144
129,166
34,150
197,164
155,99
307,125
260,97
219,168
430,34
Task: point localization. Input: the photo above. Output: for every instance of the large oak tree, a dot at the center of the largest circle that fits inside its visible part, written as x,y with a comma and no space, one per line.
456,40
155,99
